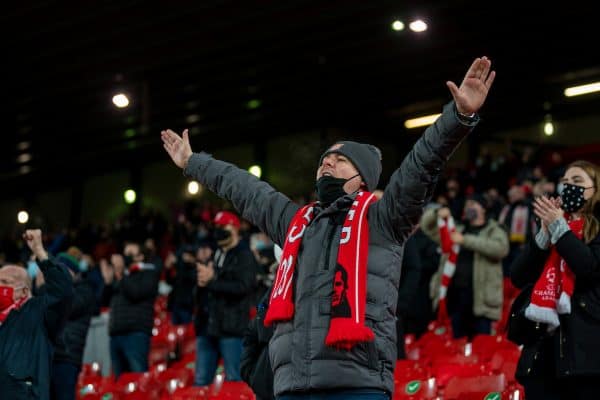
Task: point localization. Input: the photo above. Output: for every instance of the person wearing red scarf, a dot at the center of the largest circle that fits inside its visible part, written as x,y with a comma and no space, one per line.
562,269
333,301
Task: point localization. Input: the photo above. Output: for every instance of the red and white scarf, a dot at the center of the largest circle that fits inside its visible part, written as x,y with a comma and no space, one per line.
518,222
14,306
450,250
140,266
344,332
554,288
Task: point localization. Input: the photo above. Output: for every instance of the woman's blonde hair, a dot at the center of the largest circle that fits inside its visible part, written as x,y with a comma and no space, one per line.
591,209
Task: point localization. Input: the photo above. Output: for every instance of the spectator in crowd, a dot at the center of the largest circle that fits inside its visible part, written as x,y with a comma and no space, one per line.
454,197
255,365
562,265
132,285
90,271
29,326
418,313
68,353
151,252
518,218
474,292
228,282
312,353
409,284
262,247
495,203
181,275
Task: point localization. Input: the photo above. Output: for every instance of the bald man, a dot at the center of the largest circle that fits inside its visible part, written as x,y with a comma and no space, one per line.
30,325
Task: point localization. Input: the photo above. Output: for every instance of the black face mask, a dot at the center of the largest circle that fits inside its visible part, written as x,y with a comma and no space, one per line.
221,234
329,188
188,265
470,214
128,260
572,197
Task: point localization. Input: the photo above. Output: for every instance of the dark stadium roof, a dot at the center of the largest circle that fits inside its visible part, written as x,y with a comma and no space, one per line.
246,71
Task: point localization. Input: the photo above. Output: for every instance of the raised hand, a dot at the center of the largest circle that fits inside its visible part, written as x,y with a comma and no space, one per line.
473,90
177,147
107,270
205,273
33,238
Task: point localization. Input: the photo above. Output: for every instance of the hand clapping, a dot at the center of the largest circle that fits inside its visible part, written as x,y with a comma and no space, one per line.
547,210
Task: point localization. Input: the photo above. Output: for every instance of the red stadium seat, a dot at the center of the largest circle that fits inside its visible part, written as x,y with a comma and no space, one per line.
458,387
191,393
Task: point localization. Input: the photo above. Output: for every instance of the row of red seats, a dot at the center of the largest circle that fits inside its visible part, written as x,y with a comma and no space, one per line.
440,367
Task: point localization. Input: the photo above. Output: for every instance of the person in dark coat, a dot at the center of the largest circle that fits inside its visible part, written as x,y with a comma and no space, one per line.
419,313
68,353
255,365
409,284
132,286
563,264
181,275
30,326
227,284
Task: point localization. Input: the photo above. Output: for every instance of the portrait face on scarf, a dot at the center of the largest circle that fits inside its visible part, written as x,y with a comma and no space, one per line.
339,289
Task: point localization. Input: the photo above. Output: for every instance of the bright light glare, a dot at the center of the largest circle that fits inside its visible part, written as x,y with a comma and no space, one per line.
255,170
22,217
418,26
23,158
398,25
129,196
120,100
549,128
421,121
193,187
582,89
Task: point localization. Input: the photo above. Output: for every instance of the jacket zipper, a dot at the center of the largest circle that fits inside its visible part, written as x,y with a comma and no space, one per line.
329,245
560,345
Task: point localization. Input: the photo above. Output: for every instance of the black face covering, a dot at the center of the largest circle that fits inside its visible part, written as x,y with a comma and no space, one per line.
128,260
221,234
329,188
572,197
470,214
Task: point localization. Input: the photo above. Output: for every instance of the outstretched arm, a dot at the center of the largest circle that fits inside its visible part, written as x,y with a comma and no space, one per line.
256,200
58,289
412,185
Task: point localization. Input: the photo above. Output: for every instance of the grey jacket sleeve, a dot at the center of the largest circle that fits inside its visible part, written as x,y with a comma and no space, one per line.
256,200
412,185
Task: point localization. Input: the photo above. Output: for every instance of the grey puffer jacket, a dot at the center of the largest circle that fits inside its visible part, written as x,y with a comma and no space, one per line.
299,357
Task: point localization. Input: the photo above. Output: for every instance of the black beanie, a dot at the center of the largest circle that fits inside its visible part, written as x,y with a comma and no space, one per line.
365,157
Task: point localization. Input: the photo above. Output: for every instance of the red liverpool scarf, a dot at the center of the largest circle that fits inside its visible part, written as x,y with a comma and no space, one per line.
347,327
450,250
553,290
